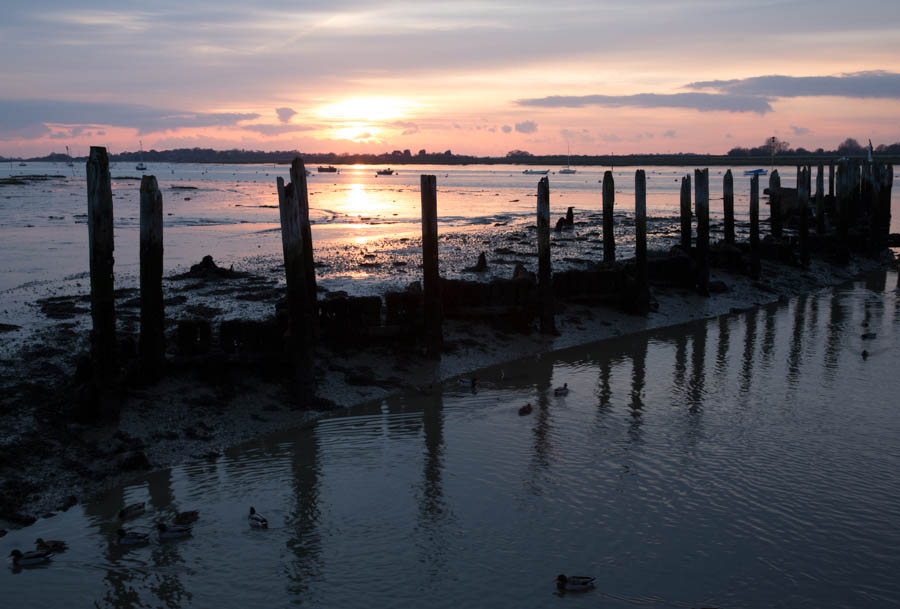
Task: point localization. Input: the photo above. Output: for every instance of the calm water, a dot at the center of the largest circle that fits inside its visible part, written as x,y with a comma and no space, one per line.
745,461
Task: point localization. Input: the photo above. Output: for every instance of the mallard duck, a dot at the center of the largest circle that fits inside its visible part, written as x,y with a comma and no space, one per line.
132,538
574,583
50,545
29,558
174,531
561,391
131,511
524,410
189,517
256,520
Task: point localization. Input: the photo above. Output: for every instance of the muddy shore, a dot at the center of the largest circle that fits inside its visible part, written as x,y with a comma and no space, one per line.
52,456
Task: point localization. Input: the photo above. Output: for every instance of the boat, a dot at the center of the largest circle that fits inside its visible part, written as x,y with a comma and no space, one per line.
328,169
141,166
755,172
385,172
69,162
568,168
536,172
23,164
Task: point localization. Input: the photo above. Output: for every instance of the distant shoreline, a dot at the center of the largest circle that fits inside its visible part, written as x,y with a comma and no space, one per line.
244,157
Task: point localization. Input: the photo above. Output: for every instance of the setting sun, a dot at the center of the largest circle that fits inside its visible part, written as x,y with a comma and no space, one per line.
357,132
366,109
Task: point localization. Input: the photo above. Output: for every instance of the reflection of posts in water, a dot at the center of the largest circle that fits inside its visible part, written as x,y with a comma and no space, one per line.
434,333
835,328
722,350
433,422
167,586
680,361
698,372
605,389
749,350
543,380
768,345
304,542
797,332
638,382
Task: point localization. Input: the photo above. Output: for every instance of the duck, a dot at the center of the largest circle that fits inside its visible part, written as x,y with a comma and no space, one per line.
561,391
175,531
50,545
132,538
526,409
256,520
20,559
574,583
188,517
131,511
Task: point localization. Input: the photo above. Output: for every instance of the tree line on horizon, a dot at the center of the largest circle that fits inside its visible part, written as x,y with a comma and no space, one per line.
849,148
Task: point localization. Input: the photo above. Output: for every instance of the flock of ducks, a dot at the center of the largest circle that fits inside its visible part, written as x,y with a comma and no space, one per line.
178,529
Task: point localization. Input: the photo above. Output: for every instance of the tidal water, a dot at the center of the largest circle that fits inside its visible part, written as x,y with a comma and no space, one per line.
745,461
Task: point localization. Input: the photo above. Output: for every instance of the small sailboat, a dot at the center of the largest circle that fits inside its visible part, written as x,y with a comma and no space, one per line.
536,172
141,166
756,172
568,168
69,162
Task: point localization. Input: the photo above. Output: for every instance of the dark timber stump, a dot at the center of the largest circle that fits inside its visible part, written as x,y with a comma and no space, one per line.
775,204
754,227
803,205
434,336
642,294
701,200
728,204
820,200
686,213
609,237
152,343
545,287
100,236
298,178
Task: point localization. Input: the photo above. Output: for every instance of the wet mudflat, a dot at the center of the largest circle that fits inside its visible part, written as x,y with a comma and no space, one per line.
748,460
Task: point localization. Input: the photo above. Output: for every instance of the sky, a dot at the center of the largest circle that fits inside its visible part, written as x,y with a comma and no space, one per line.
481,78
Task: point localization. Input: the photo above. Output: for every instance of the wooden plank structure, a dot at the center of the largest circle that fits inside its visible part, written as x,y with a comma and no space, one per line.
754,227
545,285
609,237
803,206
820,200
728,205
431,273
701,201
642,288
100,238
152,342
686,213
775,204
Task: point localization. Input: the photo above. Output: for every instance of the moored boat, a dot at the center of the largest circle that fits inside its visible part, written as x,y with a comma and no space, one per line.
536,172
385,172
329,169
755,172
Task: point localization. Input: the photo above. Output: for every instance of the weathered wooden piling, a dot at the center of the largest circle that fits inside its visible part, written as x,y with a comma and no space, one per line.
686,213
545,287
728,204
301,305
842,200
803,206
831,178
775,204
609,237
642,293
701,201
754,227
298,177
100,237
152,341
434,334
820,200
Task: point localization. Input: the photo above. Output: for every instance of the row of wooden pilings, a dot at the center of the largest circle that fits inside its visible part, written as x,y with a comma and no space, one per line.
863,189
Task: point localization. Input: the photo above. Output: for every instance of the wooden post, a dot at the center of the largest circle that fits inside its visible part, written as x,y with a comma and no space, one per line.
686,213
831,178
545,288
754,227
642,294
775,204
100,236
803,203
434,334
728,203
701,200
609,237
842,203
820,200
152,343
298,179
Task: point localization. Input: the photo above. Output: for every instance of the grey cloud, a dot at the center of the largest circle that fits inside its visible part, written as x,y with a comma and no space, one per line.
581,135
266,129
526,127
669,133
409,128
875,83
29,115
610,137
505,128
799,130
705,102
285,114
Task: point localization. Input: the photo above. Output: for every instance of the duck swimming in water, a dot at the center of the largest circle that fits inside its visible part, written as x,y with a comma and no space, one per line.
256,520
131,511
574,583
50,545
132,538
189,517
20,559
175,531
561,391
525,410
